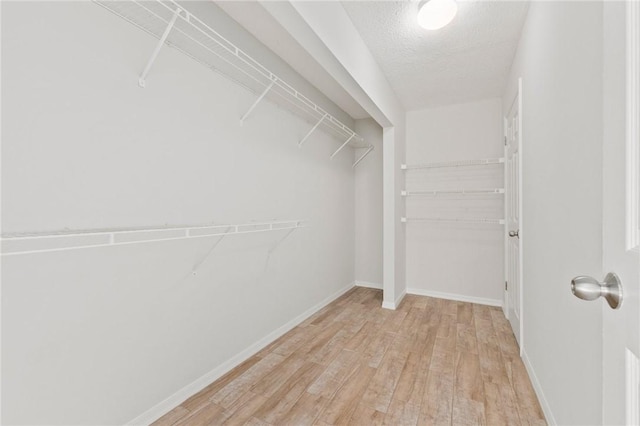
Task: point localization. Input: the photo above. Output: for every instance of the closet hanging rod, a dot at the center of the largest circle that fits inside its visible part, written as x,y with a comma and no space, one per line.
455,191
200,35
14,244
462,163
453,220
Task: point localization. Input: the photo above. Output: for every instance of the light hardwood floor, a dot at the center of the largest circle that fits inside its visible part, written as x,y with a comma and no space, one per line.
430,362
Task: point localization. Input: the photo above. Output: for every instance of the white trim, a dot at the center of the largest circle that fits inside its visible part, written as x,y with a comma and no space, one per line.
457,297
367,284
1,304
389,305
633,126
400,297
162,408
393,306
389,216
551,421
521,233
505,294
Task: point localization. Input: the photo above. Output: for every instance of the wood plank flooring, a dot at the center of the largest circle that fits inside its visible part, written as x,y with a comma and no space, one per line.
430,362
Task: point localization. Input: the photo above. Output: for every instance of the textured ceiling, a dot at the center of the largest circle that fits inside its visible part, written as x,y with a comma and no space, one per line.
467,60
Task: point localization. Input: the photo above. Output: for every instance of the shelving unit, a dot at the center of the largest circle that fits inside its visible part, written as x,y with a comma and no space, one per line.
176,27
454,192
463,163
452,220
20,244
461,212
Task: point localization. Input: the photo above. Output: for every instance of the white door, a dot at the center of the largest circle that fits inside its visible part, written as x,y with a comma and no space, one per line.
621,230
513,209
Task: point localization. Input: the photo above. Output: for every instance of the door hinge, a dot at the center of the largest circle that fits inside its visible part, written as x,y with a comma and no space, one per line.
505,141
505,286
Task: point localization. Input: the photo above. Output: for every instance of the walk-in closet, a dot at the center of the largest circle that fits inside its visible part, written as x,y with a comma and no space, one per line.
319,212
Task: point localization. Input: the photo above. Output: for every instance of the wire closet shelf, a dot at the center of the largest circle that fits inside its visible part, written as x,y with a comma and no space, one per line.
453,220
435,193
178,28
462,163
15,244
485,191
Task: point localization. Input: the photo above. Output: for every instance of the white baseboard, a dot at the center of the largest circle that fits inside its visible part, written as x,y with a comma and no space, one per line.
162,408
394,305
367,284
538,389
457,297
400,297
389,305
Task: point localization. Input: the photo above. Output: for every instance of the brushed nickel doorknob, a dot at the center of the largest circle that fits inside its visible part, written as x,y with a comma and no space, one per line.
515,233
588,288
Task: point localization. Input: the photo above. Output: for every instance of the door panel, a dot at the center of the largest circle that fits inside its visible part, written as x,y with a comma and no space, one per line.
513,232
621,97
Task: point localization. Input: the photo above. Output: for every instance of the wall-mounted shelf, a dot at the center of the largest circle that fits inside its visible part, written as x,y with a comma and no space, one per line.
462,163
455,192
455,207
453,220
174,26
16,244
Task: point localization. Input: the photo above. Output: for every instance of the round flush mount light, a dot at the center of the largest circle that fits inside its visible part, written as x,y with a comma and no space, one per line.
435,14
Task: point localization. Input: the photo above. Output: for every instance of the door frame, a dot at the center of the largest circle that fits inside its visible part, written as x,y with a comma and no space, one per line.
621,129
518,96
633,126
632,175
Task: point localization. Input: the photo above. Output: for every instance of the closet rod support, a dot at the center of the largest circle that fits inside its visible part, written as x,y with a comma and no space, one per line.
257,101
363,155
313,129
154,55
343,145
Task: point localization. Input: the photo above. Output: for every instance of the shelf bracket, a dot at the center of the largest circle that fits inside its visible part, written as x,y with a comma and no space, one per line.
195,268
343,145
154,55
313,129
363,155
257,101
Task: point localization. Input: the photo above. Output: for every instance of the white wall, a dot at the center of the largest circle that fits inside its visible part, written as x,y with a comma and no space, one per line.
560,60
368,207
460,260
98,336
326,31
400,236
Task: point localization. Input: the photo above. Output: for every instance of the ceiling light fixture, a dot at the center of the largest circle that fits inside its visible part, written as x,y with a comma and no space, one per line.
435,14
